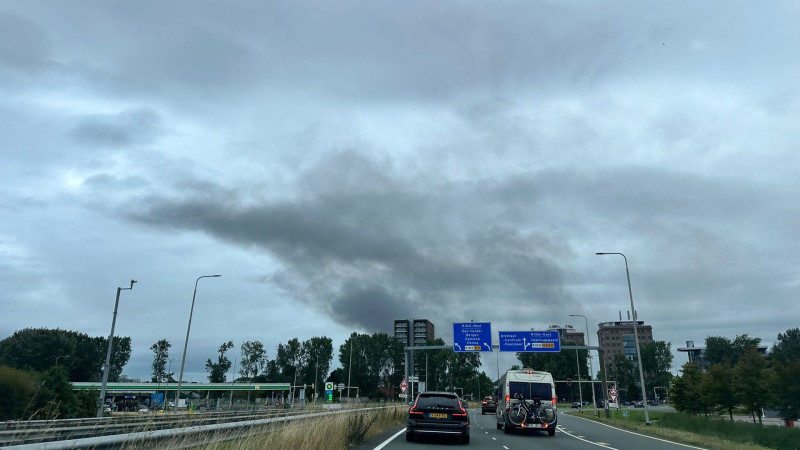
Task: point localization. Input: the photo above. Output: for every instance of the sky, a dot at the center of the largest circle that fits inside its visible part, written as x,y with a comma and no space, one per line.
345,164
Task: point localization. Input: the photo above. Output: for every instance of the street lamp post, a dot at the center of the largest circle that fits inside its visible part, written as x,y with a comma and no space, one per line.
349,369
60,356
186,343
578,365
166,384
635,336
316,375
591,367
102,399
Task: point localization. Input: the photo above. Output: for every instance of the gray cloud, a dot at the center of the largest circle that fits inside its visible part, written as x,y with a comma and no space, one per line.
134,127
348,162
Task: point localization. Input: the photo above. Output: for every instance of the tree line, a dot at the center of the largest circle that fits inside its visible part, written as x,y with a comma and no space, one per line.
37,366
567,364
740,376
372,363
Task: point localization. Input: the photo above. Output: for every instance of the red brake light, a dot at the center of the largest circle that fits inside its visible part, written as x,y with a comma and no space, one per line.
463,412
555,401
413,409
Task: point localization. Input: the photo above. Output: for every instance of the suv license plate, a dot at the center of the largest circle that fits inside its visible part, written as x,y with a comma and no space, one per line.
438,416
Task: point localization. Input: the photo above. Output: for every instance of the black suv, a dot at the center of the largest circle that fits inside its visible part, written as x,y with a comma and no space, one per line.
438,414
489,403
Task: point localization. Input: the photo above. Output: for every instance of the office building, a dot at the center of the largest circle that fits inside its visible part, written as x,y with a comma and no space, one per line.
616,338
568,335
698,354
422,331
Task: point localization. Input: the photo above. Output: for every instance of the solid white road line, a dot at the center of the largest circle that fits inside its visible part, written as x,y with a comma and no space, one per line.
386,442
644,435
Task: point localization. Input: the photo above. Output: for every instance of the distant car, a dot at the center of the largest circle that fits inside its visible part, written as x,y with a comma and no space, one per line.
576,404
652,402
144,409
489,404
626,403
600,404
638,404
438,414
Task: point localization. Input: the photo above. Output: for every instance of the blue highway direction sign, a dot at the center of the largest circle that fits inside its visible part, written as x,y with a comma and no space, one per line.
472,337
529,341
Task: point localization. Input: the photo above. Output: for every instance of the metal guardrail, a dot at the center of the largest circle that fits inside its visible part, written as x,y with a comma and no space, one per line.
131,433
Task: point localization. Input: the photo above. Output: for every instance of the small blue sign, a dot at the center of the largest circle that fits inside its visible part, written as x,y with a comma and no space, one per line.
472,337
529,341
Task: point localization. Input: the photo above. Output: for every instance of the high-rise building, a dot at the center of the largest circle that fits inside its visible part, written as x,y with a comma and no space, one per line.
616,338
422,331
568,335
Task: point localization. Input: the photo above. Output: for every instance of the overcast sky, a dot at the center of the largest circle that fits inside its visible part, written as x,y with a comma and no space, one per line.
344,164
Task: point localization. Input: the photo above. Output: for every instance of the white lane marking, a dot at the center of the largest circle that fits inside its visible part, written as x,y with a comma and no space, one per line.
386,442
505,447
494,438
644,435
580,438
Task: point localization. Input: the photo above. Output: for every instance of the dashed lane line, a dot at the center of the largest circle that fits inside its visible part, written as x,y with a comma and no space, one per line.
581,438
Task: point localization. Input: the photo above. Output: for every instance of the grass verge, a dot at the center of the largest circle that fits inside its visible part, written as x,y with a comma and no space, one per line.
705,432
335,432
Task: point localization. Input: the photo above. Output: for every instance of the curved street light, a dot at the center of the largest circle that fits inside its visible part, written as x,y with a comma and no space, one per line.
591,367
102,399
635,336
186,343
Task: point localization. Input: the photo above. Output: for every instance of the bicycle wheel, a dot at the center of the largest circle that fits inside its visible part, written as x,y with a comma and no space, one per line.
516,415
546,415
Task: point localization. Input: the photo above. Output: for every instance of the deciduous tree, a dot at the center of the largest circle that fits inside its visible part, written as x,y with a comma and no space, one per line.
254,358
217,371
752,381
160,356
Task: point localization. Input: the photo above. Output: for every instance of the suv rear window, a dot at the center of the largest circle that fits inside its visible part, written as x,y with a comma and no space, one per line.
437,401
530,390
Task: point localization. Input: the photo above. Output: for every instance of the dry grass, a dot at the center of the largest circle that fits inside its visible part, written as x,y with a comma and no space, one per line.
335,432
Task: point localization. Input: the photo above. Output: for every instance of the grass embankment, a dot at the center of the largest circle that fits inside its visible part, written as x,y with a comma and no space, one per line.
334,432
714,433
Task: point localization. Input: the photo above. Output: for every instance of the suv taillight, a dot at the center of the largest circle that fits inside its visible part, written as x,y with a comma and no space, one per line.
413,410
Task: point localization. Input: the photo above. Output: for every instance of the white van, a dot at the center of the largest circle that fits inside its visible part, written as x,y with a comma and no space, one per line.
531,385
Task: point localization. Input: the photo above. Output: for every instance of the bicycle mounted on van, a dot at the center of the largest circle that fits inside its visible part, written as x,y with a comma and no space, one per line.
515,412
524,413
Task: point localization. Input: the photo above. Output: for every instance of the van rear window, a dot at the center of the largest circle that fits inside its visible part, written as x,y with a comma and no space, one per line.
530,390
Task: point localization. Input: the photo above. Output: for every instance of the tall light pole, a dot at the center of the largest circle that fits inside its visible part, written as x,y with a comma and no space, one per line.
578,365
185,344
591,367
635,336
166,384
350,369
102,399
60,356
316,375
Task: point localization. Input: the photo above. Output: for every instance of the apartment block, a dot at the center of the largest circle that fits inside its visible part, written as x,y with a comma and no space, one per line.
422,331
617,338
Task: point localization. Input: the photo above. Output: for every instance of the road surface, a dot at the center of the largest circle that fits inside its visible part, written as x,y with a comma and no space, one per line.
574,432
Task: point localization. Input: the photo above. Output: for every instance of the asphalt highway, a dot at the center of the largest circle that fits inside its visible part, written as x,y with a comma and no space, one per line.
574,432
